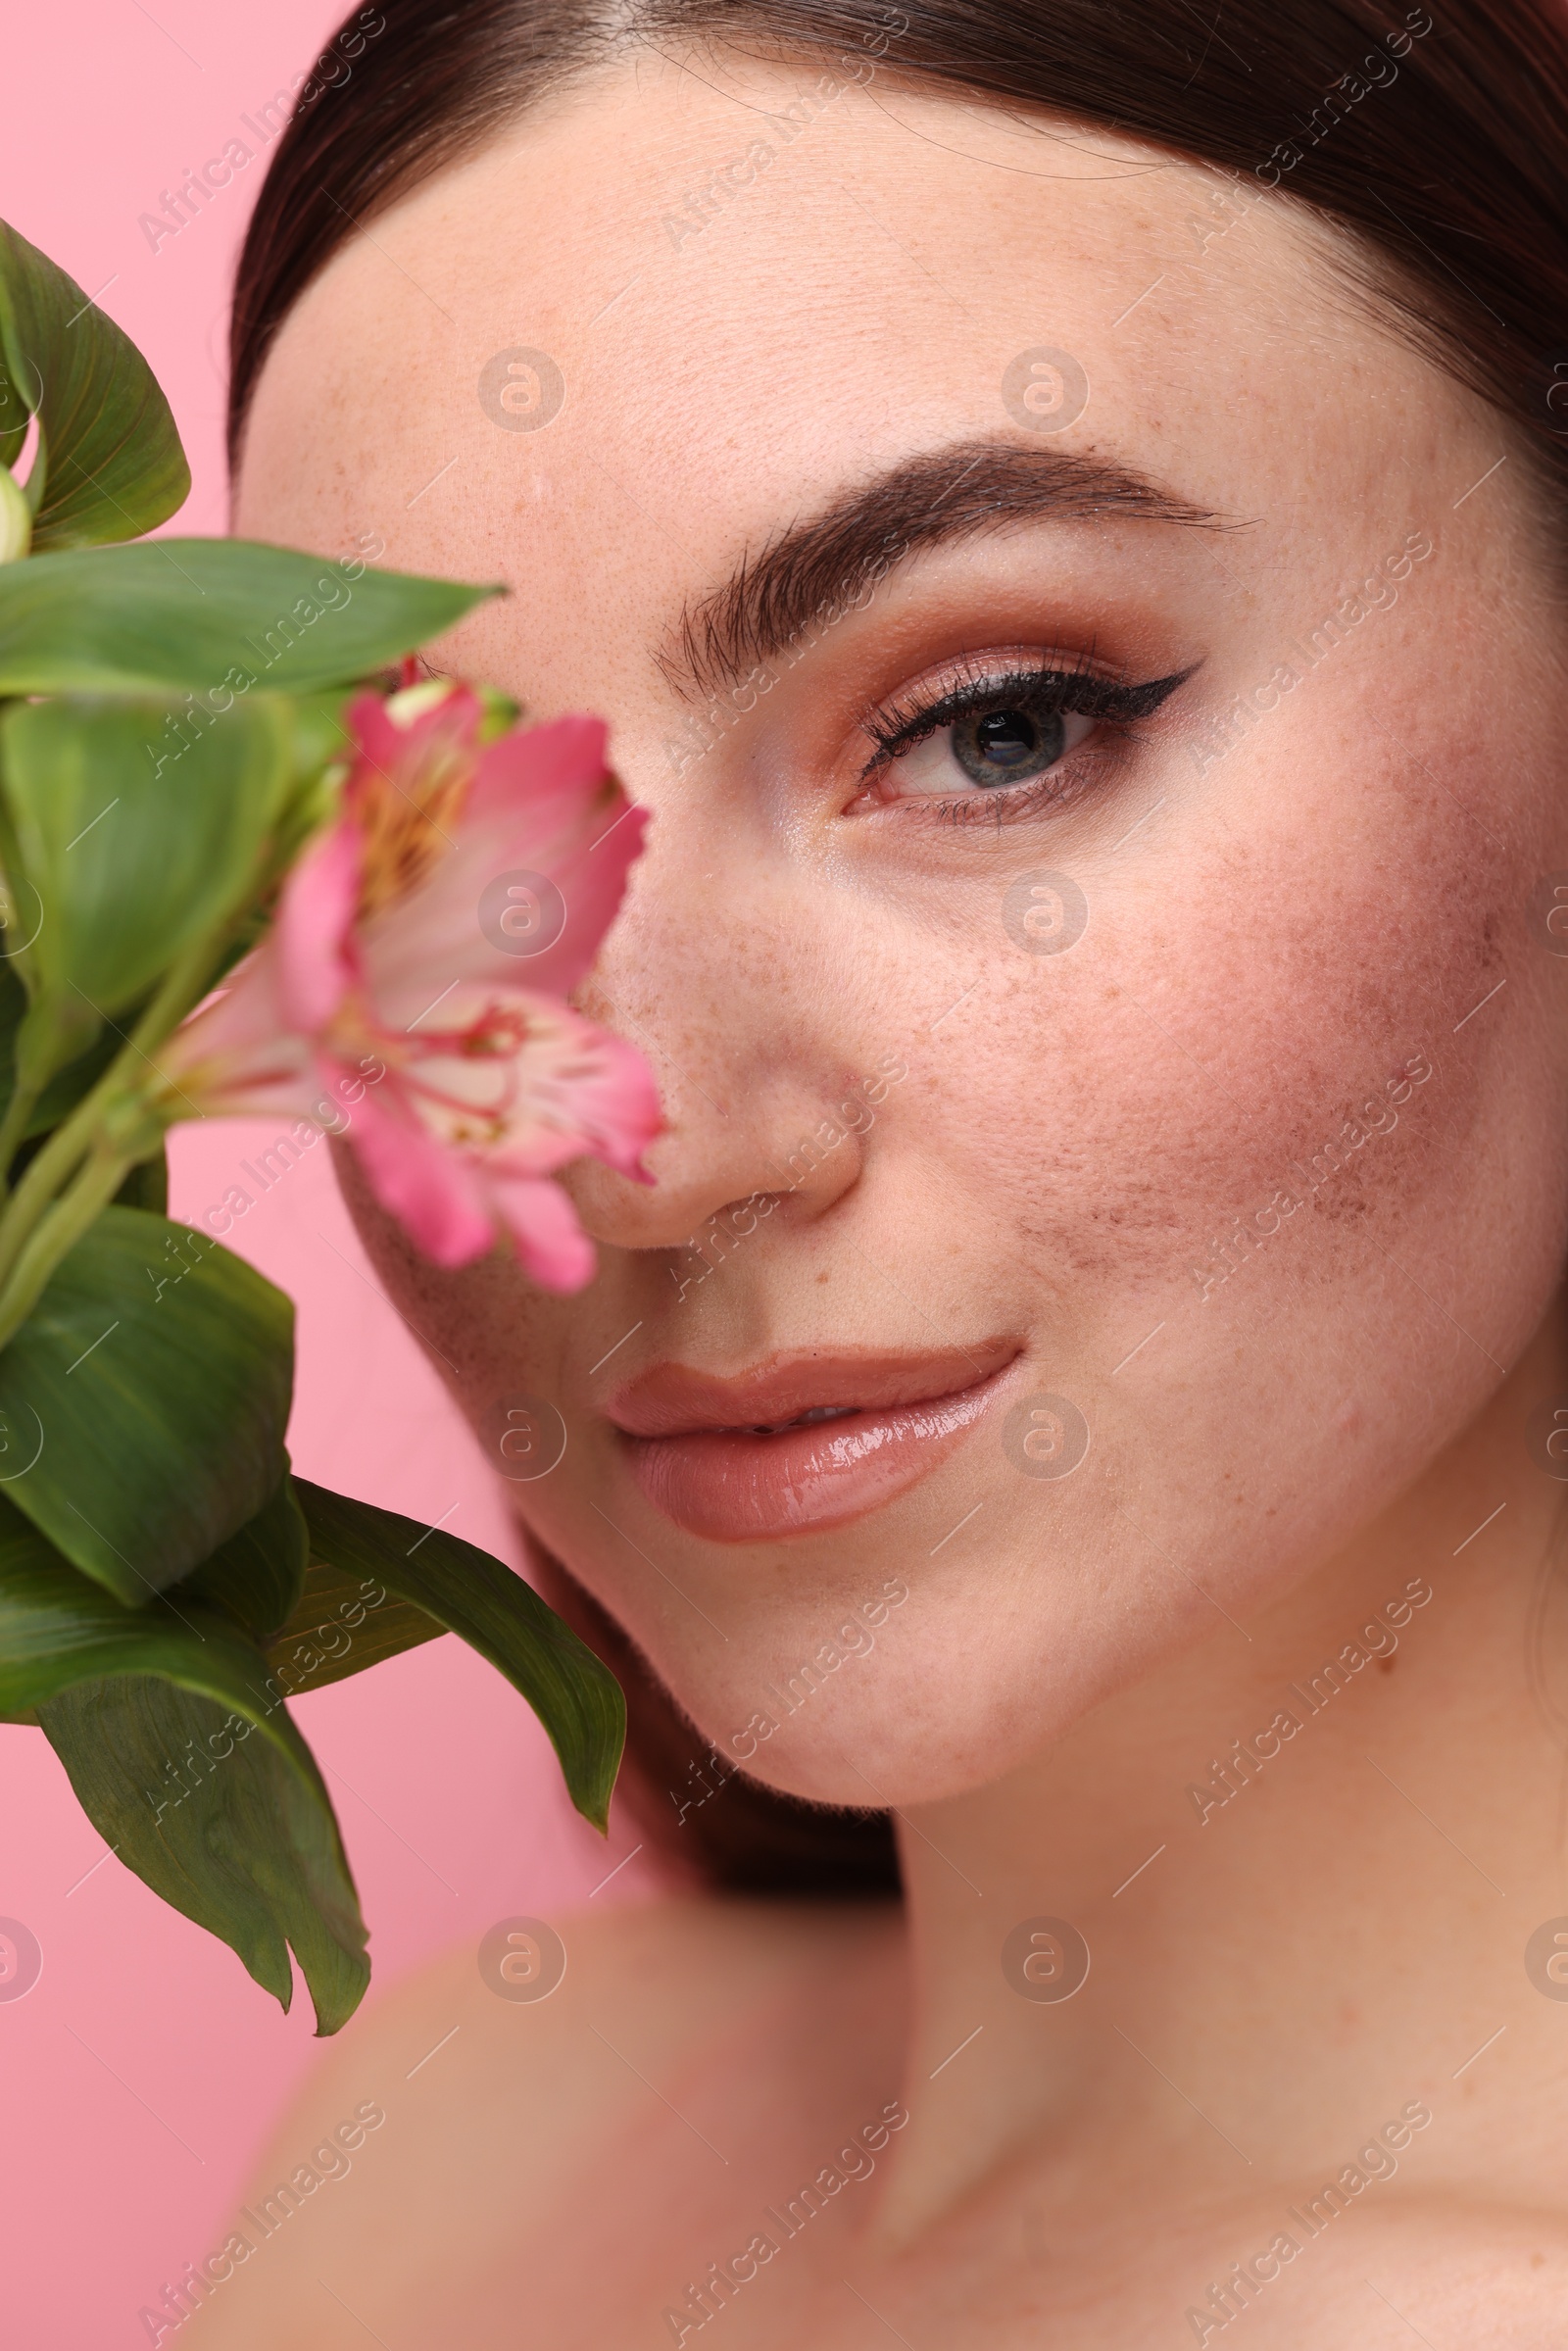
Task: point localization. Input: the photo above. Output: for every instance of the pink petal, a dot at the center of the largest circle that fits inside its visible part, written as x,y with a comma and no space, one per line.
237,1054
566,1087
612,1098
432,1192
394,758
315,924
541,803
557,771
551,1243
489,1085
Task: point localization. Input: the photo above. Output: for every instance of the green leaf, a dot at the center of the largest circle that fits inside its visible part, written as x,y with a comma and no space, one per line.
246,1844
13,415
13,1005
258,1574
57,1628
211,616
135,835
154,1378
322,750
16,516
146,1186
112,464
321,729
577,1699
67,1088
232,1828
341,1623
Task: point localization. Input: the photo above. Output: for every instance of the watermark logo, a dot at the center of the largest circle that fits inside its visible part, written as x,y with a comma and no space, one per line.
1549,906
1045,914
1546,1959
1554,364
522,914
14,1445
1045,1959
523,1959
522,390
529,1437
1044,1437
1045,390
1546,1436
20,1960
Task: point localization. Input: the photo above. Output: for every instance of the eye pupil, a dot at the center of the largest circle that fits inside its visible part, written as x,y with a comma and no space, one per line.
1006,735
999,745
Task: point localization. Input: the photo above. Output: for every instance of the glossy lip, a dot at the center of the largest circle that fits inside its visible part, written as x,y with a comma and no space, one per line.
716,1457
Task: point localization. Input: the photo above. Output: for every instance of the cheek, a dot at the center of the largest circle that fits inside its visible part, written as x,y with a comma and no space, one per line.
1230,1023
488,1332
1124,1119
1113,1114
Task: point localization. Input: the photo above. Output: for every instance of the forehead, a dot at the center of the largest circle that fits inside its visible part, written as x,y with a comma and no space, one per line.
680,306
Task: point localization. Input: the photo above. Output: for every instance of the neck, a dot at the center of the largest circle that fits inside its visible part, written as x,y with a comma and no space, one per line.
1262,1845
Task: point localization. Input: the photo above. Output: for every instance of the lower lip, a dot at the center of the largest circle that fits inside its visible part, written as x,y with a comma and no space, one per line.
732,1486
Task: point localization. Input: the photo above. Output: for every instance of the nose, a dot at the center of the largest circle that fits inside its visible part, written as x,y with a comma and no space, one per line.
725,992
739,1142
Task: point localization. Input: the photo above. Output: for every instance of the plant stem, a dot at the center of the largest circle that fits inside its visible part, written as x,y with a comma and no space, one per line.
47,1176
12,1127
58,1232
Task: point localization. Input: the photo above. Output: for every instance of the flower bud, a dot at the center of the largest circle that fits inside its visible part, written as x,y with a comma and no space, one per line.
15,518
412,703
499,713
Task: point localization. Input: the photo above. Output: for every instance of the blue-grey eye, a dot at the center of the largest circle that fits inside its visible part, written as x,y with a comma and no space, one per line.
1005,746
998,743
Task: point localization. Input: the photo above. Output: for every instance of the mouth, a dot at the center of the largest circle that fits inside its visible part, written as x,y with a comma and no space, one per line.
803,1442
803,1420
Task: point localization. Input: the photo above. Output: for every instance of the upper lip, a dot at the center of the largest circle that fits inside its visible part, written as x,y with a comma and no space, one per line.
676,1399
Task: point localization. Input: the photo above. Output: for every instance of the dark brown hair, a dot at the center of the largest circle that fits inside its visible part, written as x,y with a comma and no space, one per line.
1447,162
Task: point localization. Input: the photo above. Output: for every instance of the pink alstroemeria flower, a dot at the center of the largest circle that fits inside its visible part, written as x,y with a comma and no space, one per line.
395,944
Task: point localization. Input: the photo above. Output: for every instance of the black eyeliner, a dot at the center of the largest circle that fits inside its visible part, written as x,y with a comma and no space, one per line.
1048,689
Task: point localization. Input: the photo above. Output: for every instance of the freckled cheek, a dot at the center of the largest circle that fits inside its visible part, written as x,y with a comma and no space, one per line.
1160,1081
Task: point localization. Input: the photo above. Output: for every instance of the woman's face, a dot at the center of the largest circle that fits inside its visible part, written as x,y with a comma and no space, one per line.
1099,703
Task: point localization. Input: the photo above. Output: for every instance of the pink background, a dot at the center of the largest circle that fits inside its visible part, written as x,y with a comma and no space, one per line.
143,2070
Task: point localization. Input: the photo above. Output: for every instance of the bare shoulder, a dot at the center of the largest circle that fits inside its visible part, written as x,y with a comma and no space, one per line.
1452,2269
477,2090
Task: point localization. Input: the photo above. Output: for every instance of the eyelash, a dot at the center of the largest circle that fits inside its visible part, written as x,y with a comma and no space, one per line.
1046,686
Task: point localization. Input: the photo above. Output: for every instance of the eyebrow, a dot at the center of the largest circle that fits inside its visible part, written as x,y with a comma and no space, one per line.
815,569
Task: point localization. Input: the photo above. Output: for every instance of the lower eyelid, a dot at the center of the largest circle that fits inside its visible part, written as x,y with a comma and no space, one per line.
1006,804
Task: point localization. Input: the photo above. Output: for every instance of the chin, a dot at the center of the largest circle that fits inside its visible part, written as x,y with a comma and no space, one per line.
940,1695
